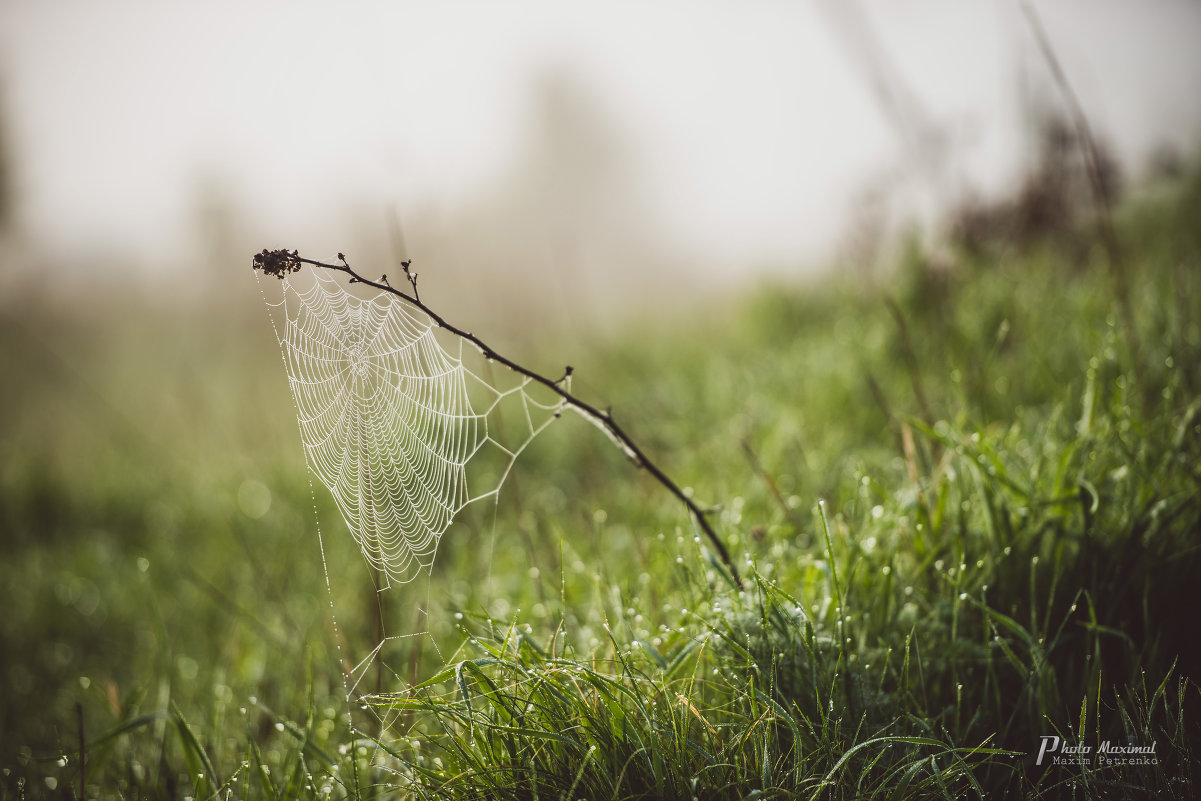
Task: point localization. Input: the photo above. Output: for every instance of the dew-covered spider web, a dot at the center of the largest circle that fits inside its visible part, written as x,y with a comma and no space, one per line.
405,425
392,420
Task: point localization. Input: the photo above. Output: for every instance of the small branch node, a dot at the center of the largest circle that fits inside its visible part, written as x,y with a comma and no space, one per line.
411,276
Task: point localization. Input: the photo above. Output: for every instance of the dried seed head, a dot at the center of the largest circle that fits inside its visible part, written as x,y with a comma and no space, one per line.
277,262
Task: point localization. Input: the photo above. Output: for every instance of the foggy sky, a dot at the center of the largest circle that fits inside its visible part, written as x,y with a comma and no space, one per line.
746,132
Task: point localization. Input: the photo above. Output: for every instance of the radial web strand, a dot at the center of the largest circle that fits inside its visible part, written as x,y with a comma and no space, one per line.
393,423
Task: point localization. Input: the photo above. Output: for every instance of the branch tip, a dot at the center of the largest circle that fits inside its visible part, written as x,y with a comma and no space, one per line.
276,262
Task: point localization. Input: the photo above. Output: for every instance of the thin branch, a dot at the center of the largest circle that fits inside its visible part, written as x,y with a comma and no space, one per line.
280,262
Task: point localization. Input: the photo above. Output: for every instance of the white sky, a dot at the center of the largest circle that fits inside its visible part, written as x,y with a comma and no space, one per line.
752,124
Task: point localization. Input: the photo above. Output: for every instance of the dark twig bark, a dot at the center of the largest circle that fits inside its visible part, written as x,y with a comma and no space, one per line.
281,261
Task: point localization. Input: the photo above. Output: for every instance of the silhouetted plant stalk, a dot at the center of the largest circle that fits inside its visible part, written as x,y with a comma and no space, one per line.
1100,190
280,263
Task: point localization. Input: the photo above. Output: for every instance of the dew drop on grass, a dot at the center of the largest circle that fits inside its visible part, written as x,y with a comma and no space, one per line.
280,726
51,782
62,762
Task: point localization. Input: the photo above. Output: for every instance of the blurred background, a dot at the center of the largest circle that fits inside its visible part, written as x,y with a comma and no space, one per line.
550,160
599,173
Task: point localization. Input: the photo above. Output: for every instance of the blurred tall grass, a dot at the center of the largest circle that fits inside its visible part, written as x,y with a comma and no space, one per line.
158,526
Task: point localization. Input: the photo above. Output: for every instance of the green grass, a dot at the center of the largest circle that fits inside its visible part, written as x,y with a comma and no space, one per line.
964,522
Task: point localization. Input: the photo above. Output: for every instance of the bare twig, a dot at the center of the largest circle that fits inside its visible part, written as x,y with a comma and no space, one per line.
281,262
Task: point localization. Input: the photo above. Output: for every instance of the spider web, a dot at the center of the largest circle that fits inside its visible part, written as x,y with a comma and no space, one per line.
390,419
405,428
